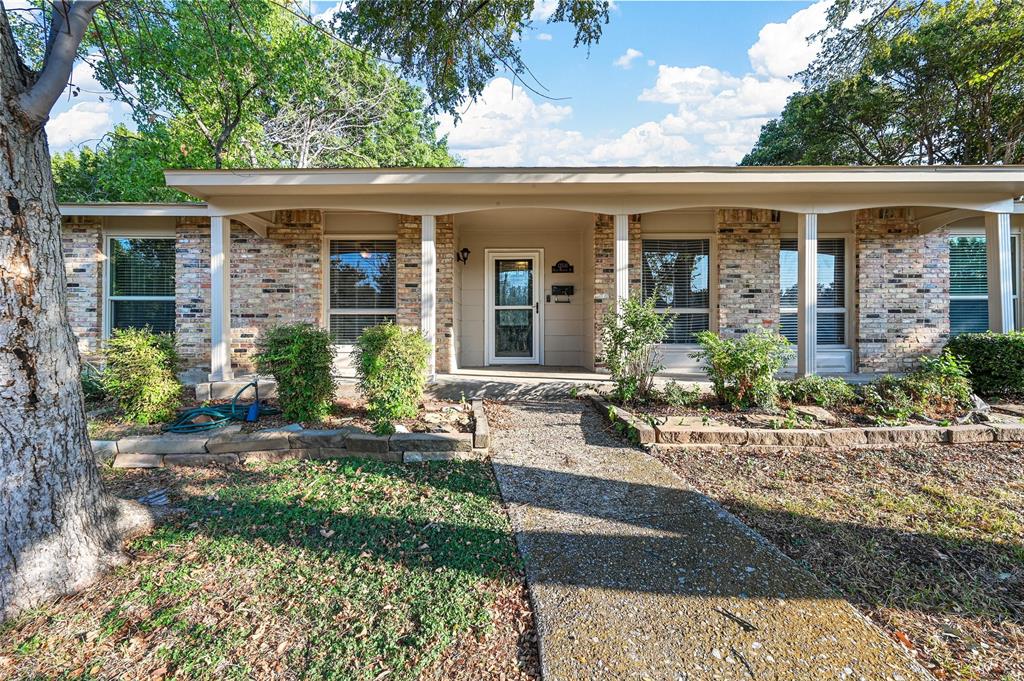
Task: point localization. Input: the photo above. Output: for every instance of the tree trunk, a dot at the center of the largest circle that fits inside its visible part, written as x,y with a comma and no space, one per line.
58,528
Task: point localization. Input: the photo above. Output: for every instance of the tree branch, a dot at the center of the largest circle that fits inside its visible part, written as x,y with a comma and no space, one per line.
70,22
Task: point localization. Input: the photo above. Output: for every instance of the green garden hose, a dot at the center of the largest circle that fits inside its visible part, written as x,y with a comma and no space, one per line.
221,414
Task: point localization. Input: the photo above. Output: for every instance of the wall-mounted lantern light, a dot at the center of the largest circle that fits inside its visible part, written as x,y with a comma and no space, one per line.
462,256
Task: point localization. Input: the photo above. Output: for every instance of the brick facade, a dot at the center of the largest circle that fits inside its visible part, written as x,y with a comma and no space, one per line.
902,291
748,270
444,242
408,277
82,242
274,281
604,268
192,291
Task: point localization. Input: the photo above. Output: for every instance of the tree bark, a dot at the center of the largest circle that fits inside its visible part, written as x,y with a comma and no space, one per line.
58,528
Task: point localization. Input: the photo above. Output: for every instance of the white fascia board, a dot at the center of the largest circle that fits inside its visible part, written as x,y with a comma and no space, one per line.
135,209
588,175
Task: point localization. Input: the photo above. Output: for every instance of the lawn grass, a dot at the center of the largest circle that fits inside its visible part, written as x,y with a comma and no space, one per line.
928,542
343,569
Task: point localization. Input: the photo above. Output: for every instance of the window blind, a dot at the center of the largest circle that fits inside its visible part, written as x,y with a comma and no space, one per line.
831,290
362,287
140,274
968,285
676,272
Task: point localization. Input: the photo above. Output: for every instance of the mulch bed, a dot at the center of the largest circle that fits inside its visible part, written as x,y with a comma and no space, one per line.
435,417
928,542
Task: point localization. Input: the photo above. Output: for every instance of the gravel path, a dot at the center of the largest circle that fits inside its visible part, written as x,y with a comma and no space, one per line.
634,575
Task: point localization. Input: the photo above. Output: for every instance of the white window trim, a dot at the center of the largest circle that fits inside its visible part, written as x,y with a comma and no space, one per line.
1017,235
849,283
325,280
108,299
712,238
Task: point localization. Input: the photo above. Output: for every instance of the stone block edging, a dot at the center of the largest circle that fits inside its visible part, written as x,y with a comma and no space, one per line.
230,446
635,428
688,436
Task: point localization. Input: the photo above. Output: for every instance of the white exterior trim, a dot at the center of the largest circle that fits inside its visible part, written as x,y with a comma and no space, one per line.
428,288
1000,272
220,299
621,260
807,285
107,313
490,255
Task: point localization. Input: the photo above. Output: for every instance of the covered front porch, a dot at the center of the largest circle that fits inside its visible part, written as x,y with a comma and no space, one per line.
458,233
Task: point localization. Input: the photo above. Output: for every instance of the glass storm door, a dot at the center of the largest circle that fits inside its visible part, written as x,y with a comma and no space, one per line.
514,309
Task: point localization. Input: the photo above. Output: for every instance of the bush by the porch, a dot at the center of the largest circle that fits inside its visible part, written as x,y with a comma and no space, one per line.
299,358
392,367
938,390
630,339
822,391
742,371
140,374
996,361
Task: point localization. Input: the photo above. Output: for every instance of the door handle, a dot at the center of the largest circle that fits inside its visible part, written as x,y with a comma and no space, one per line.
536,307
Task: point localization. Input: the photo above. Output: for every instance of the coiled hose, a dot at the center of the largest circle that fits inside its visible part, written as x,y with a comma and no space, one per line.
221,414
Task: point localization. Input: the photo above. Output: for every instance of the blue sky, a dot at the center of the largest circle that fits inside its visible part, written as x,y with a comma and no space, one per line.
670,83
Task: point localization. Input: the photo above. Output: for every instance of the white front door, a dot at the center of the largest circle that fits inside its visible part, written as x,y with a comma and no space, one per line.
514,314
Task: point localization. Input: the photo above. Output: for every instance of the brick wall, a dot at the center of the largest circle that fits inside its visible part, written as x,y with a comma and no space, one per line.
82,242
902,291
444,241
408,276
604,268
748,270
274,281
192,291
604,275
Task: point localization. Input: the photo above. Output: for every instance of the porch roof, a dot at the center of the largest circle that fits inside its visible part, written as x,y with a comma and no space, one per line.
436,191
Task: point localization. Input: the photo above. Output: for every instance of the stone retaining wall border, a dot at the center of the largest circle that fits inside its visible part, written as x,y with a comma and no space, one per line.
642,432
229,446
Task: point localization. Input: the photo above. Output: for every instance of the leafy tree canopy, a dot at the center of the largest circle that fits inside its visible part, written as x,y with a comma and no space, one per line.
240,84
921,82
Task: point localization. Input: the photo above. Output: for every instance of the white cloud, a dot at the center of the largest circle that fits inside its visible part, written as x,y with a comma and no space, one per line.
544,37
783,49
543,9
82,122
715,119
625,61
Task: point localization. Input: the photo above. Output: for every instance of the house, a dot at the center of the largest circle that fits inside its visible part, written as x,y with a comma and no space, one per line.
503,266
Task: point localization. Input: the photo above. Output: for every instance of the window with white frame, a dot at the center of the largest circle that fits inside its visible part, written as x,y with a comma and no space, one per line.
831,290
968,283
140,283
676,272
362,286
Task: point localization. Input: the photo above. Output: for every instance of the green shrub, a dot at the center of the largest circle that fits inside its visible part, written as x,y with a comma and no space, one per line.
742,371
678,395
299,358
827,392
140,374
940,387
392,367
886,402
996,361
630,339
92,383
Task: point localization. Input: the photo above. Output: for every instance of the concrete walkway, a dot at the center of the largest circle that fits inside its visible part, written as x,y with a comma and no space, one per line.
635,576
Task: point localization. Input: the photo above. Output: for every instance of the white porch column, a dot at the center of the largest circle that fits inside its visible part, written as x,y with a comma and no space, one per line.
1000,272
428,288
807,284
621,260
220,298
